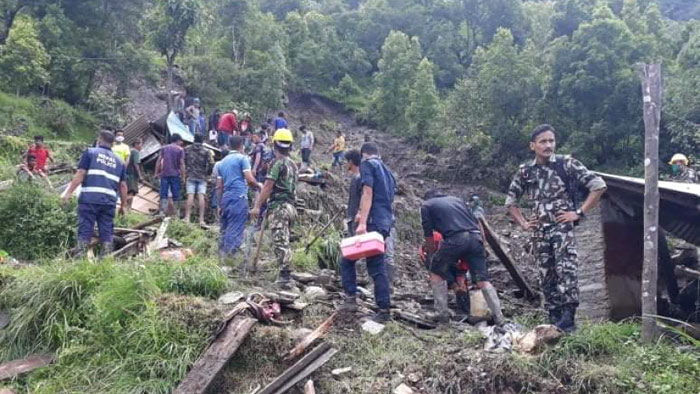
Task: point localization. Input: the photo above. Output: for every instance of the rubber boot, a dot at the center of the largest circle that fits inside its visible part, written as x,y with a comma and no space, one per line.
494,304
566,323
284,280
442,314
163,207
554,315
106,249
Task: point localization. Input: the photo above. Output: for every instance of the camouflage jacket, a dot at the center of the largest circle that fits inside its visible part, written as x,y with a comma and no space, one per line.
547,190
198,161
686,175
284,173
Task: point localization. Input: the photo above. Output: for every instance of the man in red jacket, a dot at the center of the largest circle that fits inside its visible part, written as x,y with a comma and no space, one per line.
228,126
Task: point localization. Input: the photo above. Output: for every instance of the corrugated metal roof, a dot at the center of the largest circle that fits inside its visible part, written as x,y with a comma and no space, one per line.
136,129
679,204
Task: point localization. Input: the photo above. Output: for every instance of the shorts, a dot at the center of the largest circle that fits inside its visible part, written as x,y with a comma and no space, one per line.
196,186
132,184
466,246
306,155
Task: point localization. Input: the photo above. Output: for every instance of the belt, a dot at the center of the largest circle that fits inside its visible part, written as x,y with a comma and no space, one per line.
467,232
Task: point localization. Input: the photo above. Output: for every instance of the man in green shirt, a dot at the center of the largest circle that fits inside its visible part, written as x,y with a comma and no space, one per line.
280,190
133,172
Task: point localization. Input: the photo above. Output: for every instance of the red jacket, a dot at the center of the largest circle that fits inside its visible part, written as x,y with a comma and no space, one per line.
228,123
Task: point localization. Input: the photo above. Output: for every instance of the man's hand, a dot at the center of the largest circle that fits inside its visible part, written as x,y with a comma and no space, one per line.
65,199
529,225
361,229
122,210
567,217
254,213
260,186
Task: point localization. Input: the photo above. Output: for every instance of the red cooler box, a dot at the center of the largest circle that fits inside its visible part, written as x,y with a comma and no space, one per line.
361,246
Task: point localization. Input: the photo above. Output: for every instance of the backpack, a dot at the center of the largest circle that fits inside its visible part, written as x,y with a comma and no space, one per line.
577,192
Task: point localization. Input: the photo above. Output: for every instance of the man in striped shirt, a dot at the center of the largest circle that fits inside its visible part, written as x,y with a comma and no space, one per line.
102,176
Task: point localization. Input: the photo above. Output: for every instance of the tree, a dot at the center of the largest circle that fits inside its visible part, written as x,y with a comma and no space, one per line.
23,59
424,101
400,58
171,20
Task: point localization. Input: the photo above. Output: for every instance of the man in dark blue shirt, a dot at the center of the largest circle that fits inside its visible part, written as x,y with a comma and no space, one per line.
280,122
375,214
102,176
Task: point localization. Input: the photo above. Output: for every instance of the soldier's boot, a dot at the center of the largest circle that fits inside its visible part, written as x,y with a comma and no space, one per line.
82,248
494,304
349,304
554,315
567,321
284,279
442,313
106,249
463,303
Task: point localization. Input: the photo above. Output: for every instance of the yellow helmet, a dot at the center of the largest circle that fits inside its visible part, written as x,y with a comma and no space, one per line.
679,157
283,138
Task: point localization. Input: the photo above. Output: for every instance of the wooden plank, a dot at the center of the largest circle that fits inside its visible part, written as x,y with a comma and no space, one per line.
209,364
316,364
13,368
507,261
319,332
295,369
309,387
160,241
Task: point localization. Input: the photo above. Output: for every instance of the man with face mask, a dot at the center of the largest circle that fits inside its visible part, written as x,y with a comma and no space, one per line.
552,220
681,171
119,148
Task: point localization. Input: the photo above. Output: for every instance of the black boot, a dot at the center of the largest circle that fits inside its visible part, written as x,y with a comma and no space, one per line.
284,280
566,323
463,303
554,315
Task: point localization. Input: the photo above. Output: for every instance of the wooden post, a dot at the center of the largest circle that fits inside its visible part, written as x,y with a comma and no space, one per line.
651,94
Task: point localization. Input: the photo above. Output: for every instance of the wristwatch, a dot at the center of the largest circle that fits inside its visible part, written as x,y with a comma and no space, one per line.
580,213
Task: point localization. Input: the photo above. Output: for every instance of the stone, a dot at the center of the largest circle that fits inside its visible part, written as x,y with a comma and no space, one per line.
372,327
233,297
315,293
535,340
303,277
340,371
365,293
479,308
403,389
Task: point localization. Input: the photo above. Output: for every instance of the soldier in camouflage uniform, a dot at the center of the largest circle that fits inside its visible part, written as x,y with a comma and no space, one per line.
681,171
280,189
553,219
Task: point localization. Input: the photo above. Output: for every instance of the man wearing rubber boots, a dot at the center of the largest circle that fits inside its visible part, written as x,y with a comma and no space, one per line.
551,182
102,176
462,239
280,190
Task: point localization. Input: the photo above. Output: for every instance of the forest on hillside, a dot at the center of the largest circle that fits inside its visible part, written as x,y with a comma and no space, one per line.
468,78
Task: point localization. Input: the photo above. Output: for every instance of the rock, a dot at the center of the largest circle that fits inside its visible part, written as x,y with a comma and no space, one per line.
315,293
340,371
479,308
4,318
535,340
365,293
303,277
231,298
403,389
414,377
372,327
430,159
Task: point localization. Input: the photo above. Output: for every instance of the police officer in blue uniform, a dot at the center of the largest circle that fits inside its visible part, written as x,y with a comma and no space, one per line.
102,175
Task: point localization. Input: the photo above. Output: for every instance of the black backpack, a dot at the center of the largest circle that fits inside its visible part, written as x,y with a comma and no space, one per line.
577,192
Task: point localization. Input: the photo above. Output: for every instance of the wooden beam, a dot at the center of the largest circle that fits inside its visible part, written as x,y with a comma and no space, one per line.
11,369
495,243
650,75
300,369
213,360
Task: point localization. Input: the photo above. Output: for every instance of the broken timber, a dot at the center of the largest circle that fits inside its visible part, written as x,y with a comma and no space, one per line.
319,332
300,370
216,356
507,261
13,368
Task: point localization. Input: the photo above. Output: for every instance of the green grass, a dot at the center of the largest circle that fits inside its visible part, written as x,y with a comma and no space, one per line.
202,242
115,327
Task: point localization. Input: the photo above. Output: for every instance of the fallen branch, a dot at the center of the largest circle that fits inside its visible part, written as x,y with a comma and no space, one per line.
300,370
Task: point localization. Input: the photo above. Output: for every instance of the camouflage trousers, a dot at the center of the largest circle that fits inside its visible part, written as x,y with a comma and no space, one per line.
554,248
281,219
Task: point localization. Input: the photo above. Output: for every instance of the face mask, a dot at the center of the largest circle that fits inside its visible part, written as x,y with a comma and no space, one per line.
120,139
675,169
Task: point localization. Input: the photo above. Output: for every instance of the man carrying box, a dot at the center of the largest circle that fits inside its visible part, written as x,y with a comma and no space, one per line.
374,215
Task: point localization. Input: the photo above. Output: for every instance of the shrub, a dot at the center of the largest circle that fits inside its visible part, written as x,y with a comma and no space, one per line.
34,225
